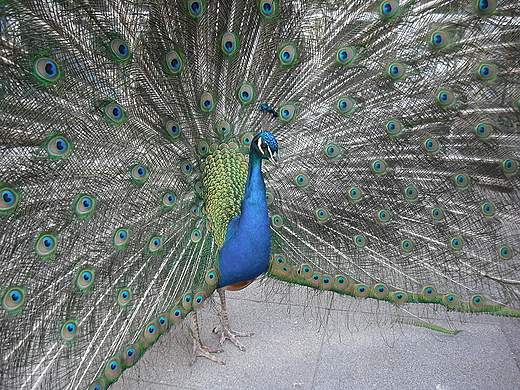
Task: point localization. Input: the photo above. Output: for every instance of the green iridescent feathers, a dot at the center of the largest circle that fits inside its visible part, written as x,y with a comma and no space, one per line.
224,180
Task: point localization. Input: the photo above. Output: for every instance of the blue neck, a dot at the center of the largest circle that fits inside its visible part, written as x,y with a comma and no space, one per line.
254,205
245,254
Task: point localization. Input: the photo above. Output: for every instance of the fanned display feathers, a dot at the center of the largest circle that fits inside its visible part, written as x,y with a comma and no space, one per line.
127,143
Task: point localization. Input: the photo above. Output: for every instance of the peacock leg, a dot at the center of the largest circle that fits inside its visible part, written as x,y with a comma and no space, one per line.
198,348
225,329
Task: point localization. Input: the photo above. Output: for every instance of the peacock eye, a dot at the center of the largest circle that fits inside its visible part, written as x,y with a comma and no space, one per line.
264,147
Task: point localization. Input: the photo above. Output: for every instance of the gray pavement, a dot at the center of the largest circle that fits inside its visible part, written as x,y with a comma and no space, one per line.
305,340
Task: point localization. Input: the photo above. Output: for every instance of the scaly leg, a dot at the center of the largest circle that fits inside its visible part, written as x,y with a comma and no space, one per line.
198,348
227,332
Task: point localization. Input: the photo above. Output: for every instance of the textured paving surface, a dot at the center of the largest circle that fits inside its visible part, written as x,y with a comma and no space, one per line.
304,341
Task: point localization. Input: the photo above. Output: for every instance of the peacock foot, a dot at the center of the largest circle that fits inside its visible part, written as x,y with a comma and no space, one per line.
227,333
203,351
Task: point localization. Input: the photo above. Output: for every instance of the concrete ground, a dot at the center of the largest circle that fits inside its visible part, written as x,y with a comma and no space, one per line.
307,341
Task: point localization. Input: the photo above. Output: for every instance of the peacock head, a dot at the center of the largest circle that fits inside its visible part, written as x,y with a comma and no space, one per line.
266,146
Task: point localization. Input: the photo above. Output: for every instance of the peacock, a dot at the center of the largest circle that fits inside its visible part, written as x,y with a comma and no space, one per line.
156,151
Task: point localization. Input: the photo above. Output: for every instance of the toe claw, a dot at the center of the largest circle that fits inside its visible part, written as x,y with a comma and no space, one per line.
231,335
207,352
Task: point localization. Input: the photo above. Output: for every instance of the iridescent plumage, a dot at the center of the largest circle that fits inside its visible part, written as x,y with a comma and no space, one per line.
131,132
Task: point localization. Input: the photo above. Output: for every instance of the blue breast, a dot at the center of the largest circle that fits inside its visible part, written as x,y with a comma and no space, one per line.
245,253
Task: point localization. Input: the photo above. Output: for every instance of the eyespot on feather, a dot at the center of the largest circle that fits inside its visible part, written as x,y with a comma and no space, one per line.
124,296
301,180
196,8
120,49
246,139
483,130
268,8
345,55
287,54
451,299
485,7
384,216
99,384
149,334
437,214
246,94
203,148
287,112
121,237
113,369
505,252
199,299
396,70
114,113
407,246
212,277
322,215
186,168
379,167
172,128
155,244
131,354
163,323
487,71
229,44
346,105
456,243
316,279
207,102
46,70
332,151
343,284
439,39
9,199
361,290
431,145
176,314
187,301
445,98
223,128
477,302
85,279
58,147
13,299
411,193
380,291
462,181
269,197
399,297
388,10
46,245
360,241
277,221
84,205
196,235
510,166
69,330
393,128
326,282
173,62
488,209
168,199
355,194
305,271
429,292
